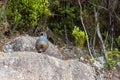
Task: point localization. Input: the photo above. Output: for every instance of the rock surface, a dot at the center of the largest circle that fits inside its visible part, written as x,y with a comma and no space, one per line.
22,43
34,66
24,63
27,43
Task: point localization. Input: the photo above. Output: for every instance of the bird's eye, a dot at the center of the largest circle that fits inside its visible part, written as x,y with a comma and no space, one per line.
41,33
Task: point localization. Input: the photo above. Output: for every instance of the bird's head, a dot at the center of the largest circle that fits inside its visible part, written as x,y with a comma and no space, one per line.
43,34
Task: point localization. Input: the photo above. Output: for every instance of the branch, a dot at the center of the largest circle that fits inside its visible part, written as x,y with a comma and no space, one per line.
105,9
81,18
98,6
66,36
111,28
116,15
99,33
93,45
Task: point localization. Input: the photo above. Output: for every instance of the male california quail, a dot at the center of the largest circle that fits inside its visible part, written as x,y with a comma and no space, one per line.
42,43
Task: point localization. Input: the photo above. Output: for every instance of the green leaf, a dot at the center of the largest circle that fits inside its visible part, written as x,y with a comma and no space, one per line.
94,1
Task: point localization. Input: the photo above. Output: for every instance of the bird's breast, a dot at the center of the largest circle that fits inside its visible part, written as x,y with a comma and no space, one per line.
42,44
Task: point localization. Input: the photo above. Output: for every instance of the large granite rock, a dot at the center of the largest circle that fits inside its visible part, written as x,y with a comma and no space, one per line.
27,43
34,66
22,43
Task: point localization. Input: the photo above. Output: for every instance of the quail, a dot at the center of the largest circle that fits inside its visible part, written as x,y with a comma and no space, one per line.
42,43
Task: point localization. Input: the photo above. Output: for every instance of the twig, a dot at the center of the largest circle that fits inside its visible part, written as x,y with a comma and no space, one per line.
111,26
116,15
93,45
105,42
81,18
66,37
98,6
105,9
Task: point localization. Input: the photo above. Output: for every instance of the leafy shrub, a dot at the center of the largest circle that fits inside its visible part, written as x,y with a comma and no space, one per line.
113,57
2,16
79,36
64,14
118,40
26,13
3,21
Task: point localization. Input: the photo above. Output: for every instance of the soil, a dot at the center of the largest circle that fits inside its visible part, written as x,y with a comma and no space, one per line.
113,74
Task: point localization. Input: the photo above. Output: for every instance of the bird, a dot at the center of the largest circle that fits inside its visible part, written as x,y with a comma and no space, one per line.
42,43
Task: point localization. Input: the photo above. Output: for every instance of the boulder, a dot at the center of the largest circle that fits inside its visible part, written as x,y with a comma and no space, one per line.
27,43
22,43
34,66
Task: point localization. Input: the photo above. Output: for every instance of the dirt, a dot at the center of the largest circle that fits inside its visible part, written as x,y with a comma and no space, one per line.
113,74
